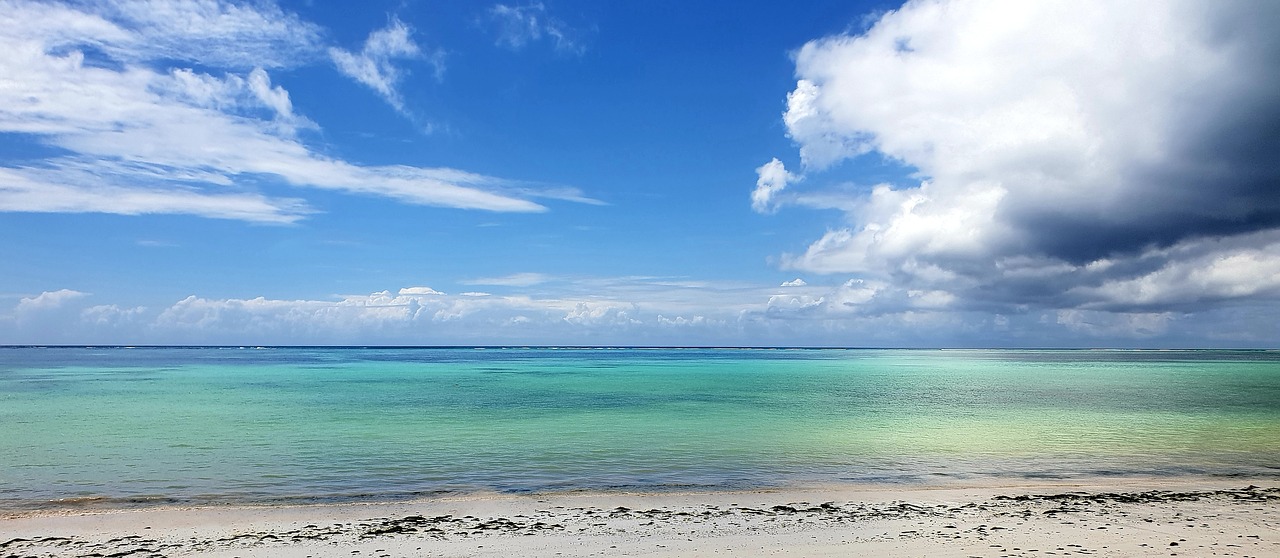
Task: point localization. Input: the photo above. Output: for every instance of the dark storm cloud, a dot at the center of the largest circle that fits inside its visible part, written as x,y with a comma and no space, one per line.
1108,157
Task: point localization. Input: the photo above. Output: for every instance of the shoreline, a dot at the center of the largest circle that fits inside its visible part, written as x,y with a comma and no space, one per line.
98,505
1156,516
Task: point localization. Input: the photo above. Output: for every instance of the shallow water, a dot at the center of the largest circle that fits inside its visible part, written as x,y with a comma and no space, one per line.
119,426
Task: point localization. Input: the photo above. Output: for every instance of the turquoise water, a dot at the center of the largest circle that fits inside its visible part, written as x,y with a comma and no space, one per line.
119,426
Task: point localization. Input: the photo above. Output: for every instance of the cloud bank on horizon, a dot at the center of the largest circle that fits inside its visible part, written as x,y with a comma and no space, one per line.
1082,174
1107,160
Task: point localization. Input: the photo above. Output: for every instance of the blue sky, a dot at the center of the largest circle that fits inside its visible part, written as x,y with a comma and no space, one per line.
940,173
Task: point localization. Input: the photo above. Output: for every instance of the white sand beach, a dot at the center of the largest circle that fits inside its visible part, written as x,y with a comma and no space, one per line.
1108,517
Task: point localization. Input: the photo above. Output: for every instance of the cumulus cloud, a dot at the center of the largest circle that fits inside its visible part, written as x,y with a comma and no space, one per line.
413,314
609,310
373,66
518,26
48,300
853,298
622,311
1071,156
420,291
1193,275
113,316
772,178
132,130
42,318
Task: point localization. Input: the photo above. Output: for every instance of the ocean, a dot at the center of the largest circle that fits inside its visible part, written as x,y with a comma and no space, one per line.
120,427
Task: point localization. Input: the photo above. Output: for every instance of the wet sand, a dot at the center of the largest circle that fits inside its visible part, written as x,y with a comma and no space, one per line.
1107,517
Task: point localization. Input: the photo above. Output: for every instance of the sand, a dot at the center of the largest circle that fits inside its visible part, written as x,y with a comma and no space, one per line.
1112,517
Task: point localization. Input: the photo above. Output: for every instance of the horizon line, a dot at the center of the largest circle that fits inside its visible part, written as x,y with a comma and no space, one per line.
619,347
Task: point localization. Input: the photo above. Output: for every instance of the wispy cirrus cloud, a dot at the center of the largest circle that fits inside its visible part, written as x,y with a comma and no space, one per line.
101,191
129,129
513,280
374,65
211,32
518,26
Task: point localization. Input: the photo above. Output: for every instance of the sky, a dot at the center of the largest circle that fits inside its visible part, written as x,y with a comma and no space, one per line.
939,173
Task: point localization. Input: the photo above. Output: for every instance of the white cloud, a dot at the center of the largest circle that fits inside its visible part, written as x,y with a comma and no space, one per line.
43,318
94,82
1072,156
276,98
1194,273
519,26
48,300
411,314
209,32
113,316
373,65
797,282
621,311
513,280
820,143
907,227
855,298
81,191
594,314
773,178
426,291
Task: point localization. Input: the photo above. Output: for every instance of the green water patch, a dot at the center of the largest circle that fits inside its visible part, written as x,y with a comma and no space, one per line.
247,426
